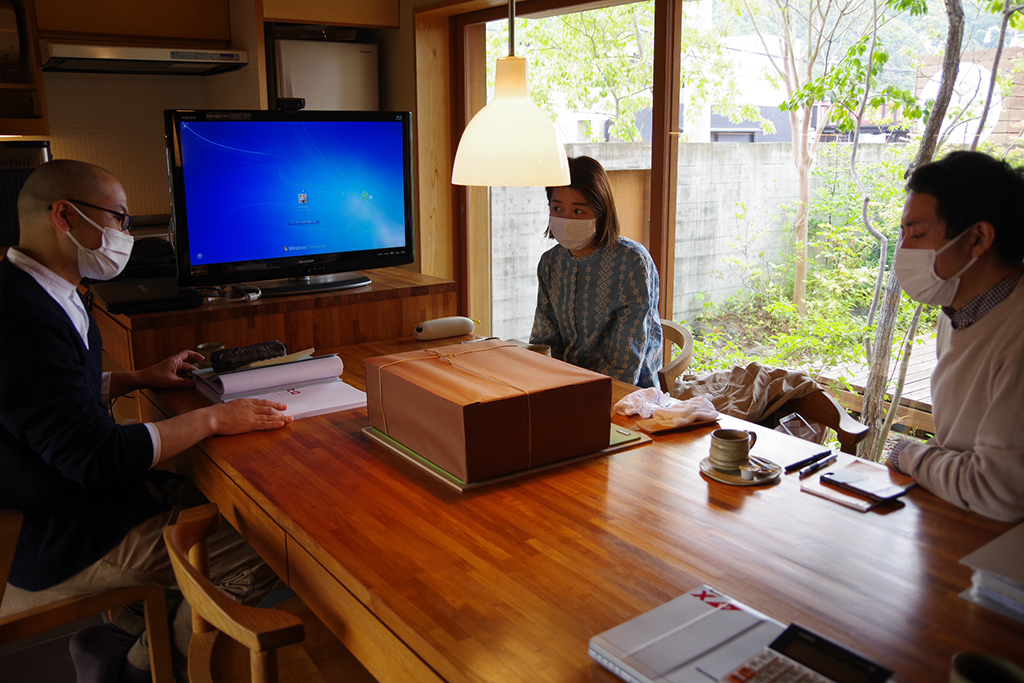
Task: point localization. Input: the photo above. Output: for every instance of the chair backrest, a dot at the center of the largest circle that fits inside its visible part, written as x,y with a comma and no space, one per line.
261,631
674,334
36,620
818,406
10,527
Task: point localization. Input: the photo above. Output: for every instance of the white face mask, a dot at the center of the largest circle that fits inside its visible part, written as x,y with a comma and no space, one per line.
108,259
573,233
915,271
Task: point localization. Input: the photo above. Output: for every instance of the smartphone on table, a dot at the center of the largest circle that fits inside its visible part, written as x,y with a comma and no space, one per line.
862,484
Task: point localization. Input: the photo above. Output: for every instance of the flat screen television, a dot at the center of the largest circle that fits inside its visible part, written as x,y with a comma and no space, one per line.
290,201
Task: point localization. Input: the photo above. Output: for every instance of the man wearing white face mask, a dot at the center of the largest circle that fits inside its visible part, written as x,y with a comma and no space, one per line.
597,299
94,507
962,248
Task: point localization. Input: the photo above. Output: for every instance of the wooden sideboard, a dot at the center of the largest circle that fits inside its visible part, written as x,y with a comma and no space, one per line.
390,306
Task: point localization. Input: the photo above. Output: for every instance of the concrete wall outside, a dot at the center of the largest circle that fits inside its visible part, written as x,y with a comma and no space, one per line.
717,181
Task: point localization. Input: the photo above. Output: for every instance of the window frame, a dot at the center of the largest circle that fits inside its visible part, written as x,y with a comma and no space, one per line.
454,235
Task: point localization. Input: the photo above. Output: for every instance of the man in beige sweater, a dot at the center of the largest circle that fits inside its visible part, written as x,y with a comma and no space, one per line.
962,248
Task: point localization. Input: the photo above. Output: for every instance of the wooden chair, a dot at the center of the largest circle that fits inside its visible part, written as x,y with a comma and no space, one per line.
46,617
234,642
674,335
818,406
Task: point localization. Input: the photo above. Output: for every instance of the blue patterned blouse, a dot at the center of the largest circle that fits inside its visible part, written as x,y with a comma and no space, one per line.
600,311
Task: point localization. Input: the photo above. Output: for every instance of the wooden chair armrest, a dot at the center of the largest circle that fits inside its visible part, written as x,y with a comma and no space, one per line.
10,528
255,628
680,336
822,408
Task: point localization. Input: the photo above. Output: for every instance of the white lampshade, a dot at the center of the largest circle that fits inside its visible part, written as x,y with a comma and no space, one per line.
510,142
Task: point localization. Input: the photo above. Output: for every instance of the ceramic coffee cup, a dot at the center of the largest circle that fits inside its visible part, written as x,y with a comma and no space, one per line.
978,667
207,349
730,448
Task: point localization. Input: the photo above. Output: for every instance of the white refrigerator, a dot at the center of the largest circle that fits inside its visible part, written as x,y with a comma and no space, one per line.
328,75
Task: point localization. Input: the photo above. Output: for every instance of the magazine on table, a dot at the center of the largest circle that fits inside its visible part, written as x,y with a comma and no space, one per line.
311,386
998,579
704,635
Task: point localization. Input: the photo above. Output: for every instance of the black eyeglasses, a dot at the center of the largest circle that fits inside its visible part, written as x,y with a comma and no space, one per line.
123,219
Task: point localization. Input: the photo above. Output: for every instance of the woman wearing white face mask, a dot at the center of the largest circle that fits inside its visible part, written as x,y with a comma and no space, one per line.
597,300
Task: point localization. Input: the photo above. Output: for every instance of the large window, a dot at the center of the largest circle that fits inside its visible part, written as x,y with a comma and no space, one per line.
593,72
619,103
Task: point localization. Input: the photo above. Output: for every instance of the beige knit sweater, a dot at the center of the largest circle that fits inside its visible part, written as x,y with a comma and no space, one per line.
976,458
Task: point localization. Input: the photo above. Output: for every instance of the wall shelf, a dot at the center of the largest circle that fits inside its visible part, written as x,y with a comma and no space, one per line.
23,103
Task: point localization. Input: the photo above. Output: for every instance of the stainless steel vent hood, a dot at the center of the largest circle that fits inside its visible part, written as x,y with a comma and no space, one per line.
69,57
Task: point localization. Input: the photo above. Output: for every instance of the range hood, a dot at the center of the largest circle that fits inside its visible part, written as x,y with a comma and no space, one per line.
70,57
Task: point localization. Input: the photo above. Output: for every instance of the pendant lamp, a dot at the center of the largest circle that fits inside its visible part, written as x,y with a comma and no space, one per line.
510,142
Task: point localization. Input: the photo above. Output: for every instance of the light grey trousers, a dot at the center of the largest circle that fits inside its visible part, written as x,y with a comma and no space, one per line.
141,558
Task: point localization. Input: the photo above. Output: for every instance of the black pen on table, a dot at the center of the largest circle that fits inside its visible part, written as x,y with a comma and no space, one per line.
800,464
818,466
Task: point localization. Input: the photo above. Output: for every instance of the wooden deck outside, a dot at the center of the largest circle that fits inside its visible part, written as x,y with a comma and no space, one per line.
915,410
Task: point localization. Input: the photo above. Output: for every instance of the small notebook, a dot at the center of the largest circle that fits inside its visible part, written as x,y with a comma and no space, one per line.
814,486
145,296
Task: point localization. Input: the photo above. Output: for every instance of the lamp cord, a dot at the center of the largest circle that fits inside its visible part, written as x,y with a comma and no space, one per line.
511,28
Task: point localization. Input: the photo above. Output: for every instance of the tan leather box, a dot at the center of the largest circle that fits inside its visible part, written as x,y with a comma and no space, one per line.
489,408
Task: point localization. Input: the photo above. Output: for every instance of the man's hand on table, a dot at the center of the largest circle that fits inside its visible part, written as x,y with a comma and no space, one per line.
223,419
248,414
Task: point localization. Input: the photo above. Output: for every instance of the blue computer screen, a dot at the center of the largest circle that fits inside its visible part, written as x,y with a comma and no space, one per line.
270,189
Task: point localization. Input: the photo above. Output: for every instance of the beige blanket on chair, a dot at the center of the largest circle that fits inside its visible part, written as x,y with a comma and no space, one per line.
752,393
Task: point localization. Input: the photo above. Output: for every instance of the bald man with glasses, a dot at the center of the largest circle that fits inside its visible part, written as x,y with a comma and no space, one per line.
94,506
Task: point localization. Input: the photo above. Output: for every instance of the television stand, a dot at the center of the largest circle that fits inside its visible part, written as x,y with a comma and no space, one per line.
315,283
392,306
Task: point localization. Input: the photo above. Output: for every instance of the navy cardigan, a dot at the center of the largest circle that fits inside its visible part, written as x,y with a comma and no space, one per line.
82,480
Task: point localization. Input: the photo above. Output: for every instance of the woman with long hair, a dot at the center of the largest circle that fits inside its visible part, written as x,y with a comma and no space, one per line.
597,304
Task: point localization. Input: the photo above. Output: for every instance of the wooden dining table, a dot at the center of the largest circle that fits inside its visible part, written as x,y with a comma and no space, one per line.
508,582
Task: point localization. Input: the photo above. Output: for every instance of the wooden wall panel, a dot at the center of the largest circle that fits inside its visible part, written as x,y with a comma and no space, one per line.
182,20
478,199
370,13
434,146
632,193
